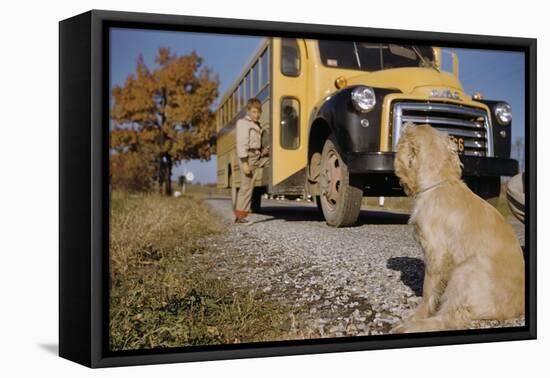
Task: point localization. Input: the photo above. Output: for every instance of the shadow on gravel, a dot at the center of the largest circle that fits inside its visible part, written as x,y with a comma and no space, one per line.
412,272
308,213
381,217
291,213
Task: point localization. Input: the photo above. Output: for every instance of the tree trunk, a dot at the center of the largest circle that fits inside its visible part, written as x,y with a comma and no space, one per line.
161,154
168,175
160,177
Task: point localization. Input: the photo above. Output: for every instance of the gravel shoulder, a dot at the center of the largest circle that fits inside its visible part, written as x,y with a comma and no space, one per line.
351,281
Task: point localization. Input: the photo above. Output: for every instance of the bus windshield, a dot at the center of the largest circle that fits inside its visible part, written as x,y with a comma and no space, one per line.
374,56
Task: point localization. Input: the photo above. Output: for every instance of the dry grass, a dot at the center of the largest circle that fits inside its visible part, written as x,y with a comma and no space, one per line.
158,298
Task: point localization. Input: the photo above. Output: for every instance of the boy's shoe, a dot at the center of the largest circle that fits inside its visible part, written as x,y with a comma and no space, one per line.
243,221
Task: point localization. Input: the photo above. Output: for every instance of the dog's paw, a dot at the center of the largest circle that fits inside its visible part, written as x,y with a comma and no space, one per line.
420,325
400,328
409,315
409,325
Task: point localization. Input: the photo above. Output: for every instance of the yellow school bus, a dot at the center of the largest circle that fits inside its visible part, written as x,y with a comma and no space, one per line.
332,114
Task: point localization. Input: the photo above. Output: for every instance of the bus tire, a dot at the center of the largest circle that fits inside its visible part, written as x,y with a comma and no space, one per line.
319,206
340,201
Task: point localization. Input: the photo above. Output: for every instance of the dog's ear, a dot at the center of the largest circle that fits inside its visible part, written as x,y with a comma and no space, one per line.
407,127
452,149
413,152
407,136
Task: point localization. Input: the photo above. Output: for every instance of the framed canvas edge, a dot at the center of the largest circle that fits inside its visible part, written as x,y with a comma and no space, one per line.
99,201
75,270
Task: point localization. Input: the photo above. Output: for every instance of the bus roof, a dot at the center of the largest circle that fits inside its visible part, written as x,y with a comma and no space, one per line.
253,57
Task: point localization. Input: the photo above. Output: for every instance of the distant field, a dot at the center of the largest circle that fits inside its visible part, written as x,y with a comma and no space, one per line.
400,204
208,190
404,204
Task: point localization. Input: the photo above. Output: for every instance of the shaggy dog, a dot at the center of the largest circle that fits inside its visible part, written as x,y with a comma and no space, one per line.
474,266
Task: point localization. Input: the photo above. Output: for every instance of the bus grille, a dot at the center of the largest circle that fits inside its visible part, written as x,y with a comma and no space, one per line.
470,124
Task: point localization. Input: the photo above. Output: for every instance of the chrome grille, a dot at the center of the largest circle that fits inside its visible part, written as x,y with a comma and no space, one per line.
471,124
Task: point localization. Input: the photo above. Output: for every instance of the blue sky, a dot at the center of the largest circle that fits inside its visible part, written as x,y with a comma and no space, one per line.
496,74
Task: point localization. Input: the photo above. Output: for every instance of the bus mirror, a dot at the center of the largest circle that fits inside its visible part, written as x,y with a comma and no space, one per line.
455,64
437,57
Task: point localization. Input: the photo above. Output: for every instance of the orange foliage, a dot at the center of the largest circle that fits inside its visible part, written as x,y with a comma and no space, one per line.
163,115
131,172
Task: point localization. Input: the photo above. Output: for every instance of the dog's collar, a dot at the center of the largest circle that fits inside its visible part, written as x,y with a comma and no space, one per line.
430,187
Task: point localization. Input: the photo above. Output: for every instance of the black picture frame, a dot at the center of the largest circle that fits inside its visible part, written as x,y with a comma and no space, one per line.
84,204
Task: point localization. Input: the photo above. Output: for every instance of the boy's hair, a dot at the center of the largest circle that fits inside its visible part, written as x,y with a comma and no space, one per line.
253,102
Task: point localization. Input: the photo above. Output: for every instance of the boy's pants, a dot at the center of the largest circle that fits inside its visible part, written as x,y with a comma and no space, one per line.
244,195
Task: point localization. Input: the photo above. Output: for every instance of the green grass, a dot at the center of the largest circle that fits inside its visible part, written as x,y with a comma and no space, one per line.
158,298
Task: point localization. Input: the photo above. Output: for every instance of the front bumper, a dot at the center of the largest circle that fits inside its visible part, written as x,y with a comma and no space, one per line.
382,162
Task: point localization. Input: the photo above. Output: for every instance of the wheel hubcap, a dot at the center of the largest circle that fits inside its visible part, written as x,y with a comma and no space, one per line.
332,179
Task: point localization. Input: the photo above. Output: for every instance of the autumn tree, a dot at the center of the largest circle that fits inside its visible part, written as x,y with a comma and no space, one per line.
162,116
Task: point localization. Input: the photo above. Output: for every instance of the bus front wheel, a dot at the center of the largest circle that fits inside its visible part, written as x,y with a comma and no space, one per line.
340,201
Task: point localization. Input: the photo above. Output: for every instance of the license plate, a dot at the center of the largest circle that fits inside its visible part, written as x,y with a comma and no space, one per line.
459,143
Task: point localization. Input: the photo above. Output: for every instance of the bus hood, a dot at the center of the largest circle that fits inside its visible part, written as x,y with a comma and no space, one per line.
408,80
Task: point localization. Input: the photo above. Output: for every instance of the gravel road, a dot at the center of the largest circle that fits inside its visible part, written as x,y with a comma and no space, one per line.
342,282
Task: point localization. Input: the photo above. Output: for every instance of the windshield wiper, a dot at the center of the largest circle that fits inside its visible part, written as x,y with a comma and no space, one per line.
357,54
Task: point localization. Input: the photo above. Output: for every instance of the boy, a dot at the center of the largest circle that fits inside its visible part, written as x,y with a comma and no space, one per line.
250,156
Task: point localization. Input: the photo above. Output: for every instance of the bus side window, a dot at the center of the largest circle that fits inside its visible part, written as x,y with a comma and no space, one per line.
290,57
290,123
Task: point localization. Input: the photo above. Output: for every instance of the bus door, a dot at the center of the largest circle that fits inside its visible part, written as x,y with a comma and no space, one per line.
289,116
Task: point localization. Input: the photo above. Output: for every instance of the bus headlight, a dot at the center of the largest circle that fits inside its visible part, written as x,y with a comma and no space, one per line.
363,99
503,113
